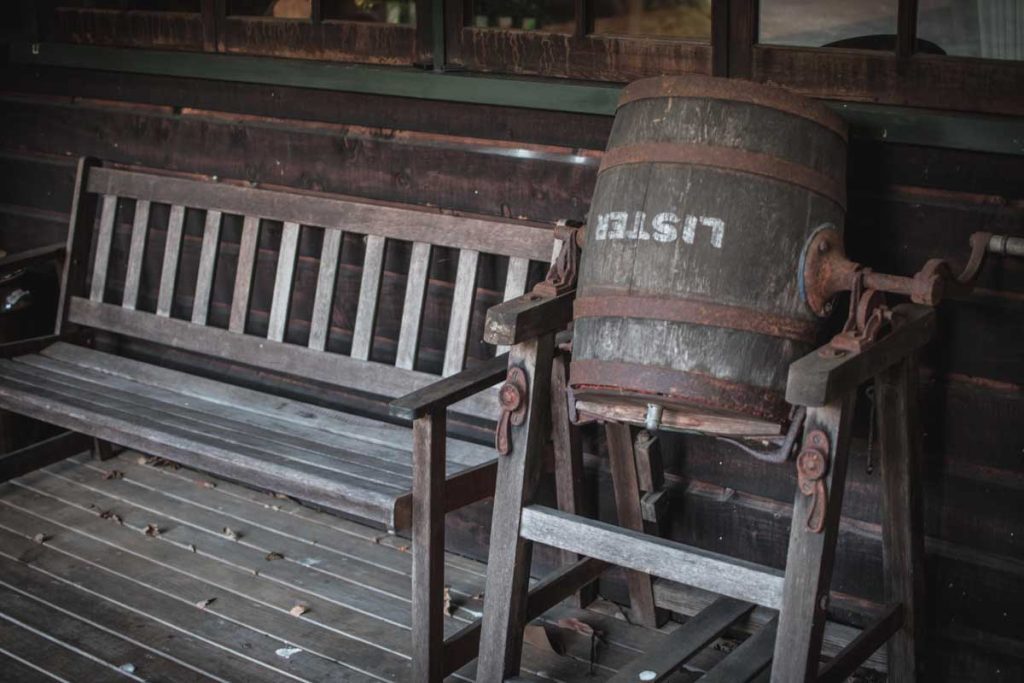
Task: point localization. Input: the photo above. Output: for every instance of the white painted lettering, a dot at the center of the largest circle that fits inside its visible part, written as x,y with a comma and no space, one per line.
602,227
617,224
644,235
690,229
717,226
638,222
664,225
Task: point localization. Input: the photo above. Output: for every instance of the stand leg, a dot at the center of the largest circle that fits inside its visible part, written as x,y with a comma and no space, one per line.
102,450
902,524
428,548
508,561
568,466
627,505
810,557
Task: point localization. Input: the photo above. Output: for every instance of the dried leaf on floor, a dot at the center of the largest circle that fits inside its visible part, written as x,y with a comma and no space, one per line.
151,530
113,474
449,608
298,610
280,496
574,624
203,604
191,548
112,516
40,538
545,637
403,548
231,533
127,667
274,556
206,484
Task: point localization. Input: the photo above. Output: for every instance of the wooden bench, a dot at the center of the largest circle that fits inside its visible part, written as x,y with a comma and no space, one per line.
355,465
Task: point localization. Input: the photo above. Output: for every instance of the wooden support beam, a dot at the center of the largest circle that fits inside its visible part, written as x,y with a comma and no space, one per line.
860,648
678,647
429,434
747,661
42,454
657,556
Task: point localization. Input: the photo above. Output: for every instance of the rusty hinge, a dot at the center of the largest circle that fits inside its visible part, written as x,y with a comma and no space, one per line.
811,468
513,399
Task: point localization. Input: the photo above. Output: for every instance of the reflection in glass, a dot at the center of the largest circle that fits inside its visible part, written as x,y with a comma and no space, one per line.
148,5
381,11
670,18
993,29
555,16
865,24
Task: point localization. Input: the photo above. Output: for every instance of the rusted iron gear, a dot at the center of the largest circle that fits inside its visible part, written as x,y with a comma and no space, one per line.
811,467
512,398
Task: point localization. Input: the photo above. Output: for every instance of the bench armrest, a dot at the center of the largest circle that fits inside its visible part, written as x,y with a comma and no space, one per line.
444,392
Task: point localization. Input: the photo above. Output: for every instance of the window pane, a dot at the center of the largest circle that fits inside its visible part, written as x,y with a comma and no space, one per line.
866,24
554,16
149,5
283,9
670,18
389,11
988,28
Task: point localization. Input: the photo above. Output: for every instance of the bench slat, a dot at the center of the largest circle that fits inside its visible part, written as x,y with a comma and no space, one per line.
377,378
265,408
462,309
283,282
506,238
369,288
412,309
136,253
172,251
243,274
323,300
515,285
207,263
104,239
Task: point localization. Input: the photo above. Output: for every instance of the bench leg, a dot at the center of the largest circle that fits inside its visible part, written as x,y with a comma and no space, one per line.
569,482
42,454
102,450
622,463
902,523
508,560
428,548
810,557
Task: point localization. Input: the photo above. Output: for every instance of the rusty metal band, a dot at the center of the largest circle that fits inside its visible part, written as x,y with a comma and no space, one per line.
680,310
706,87
730,159
611,378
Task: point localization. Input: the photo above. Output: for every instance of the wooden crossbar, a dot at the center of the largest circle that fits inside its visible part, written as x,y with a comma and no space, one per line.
656,556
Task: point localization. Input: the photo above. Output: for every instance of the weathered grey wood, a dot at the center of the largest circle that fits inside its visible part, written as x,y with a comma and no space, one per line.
515,284
816,380
102,450
428,547
747,661
369,289
688,420
412,309
281,301
880,630
811,555
521,239
439,395
136,254
508,562
79,242
902,516
682,644
172,250
627,507
104,239
526,317
32,646
687,600
207,265
243,274
42,454
656,556
462,309
569,474
327,367
323,299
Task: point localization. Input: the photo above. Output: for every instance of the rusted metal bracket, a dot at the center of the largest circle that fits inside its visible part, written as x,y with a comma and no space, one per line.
781,453
811,467
561,276
513,399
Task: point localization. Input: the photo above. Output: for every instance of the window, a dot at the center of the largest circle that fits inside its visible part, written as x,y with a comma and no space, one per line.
993,29
867,24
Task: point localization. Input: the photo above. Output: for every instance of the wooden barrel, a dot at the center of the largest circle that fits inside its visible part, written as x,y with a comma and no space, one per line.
689,294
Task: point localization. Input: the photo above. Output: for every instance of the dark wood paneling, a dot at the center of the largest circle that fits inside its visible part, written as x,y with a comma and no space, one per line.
164,30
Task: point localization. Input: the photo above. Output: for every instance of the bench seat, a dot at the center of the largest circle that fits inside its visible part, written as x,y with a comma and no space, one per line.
353,465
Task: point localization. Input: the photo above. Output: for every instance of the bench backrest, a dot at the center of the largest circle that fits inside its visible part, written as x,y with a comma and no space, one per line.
102,190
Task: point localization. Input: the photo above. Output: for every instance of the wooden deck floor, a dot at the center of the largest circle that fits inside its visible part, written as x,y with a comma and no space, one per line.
227,584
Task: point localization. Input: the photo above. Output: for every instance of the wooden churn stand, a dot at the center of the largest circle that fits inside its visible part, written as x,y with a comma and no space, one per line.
878,342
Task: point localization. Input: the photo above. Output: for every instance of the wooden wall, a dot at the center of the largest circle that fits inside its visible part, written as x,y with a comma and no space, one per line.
906,204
